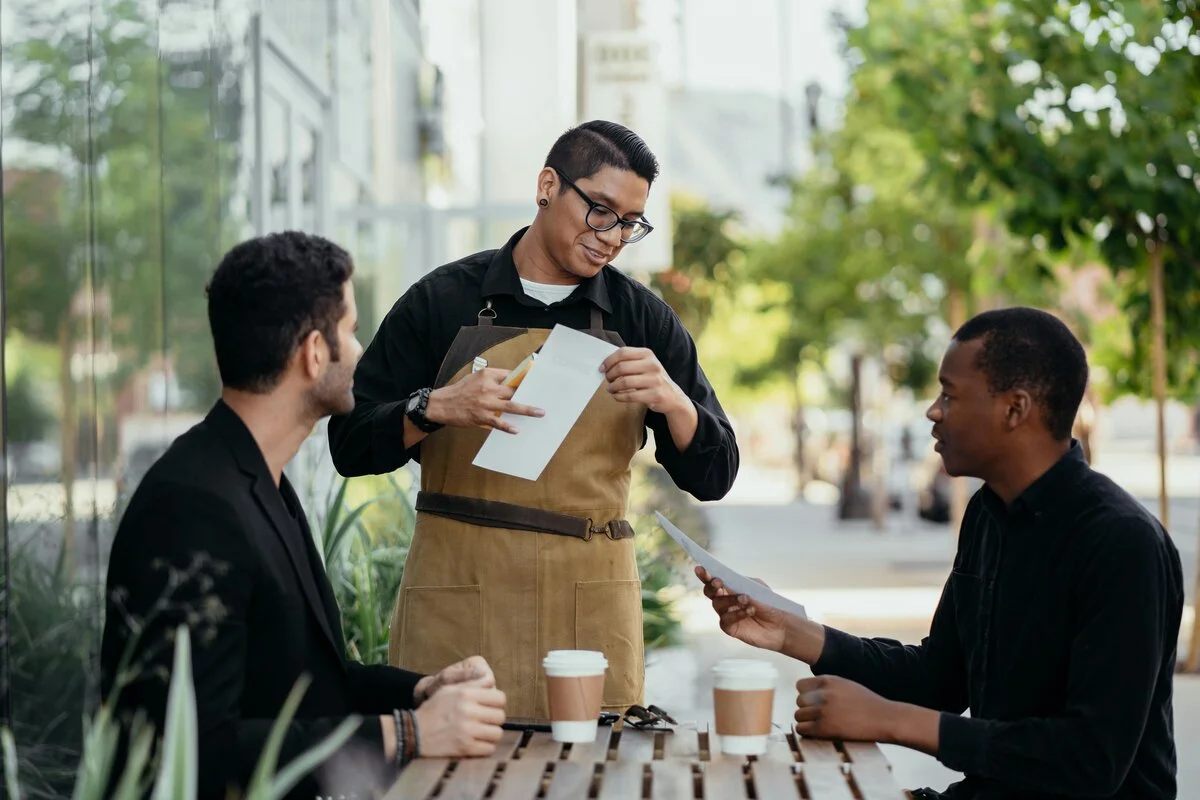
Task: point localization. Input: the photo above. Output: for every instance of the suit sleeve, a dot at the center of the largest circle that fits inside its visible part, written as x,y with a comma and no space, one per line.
180,558
377,688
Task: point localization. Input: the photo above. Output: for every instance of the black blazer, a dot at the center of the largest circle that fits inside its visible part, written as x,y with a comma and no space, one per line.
208,540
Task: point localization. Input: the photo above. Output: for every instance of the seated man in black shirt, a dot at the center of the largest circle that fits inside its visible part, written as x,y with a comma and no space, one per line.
1058,625
215,538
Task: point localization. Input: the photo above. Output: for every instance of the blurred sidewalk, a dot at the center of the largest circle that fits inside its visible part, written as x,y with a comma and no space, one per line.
869,582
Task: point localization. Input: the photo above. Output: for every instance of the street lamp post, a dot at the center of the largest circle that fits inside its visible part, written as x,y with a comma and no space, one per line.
812,99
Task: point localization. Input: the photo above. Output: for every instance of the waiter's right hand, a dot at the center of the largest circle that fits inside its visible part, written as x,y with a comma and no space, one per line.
460,720
477,400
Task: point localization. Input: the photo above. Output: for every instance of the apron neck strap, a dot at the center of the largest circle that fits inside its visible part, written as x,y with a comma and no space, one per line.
486,315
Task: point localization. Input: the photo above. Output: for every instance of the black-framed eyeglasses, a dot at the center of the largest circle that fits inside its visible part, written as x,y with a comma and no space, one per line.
602,218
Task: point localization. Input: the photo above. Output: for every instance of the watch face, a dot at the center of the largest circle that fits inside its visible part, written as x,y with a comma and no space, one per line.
413,403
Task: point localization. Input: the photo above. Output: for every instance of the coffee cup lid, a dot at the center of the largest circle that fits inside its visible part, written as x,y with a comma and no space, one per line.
747,667
562,658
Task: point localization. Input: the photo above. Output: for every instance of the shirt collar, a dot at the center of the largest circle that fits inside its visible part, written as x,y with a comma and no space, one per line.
502,278
1046,492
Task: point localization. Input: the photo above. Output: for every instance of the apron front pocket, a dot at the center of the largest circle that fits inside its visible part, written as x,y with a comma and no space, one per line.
441,626
608,618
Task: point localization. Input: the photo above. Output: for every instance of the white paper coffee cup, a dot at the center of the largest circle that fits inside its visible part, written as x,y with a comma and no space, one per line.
575,689
743,699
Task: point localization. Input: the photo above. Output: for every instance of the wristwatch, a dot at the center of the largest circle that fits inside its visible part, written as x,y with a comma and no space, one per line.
415,408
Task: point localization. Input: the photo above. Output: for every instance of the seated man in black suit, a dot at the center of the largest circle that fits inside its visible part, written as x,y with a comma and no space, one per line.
215,537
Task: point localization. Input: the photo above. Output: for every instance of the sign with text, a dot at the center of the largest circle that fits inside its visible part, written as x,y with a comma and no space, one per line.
620,81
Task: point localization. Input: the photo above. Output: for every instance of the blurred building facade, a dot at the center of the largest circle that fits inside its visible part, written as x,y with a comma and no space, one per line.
140,140
143,138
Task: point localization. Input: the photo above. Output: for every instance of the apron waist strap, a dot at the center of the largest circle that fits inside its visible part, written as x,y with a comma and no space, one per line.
493,514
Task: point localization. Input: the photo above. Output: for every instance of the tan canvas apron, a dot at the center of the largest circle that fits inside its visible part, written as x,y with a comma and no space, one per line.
511,594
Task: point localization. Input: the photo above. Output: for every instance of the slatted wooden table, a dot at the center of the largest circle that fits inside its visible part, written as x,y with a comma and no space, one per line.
637,765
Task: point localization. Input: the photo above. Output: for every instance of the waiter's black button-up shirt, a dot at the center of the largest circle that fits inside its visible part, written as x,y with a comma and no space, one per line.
408,349
1058,629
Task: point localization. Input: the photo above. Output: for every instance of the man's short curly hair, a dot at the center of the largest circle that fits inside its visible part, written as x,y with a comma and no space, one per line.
1024,348
265,296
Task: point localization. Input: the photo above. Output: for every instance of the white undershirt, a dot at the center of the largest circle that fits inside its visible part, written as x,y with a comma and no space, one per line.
548,293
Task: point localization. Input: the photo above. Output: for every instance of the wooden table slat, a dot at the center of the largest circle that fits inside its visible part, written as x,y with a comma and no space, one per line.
850,771
621,781
470,780
507,744
521,781
418,779
714,749
570,781
774,780
865,753
875,781
724,780
779,750
683,744
542,747
636,746
672,780
819,751
592,751
825,781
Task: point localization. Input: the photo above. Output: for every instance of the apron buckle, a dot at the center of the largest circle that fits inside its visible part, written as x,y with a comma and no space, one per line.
594,529
616,530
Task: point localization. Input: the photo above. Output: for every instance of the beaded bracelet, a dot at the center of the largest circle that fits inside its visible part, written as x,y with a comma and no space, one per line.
410,736
407,745
400,738
416,736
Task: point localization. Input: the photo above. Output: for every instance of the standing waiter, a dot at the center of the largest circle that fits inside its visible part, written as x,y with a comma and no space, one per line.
503,566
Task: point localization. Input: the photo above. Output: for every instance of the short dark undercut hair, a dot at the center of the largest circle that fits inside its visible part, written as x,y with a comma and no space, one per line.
1024,348
586,149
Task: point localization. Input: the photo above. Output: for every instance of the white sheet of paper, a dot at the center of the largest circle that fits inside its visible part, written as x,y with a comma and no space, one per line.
561,382
735,581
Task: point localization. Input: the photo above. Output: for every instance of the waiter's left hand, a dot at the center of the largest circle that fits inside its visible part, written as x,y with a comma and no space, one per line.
474,670
635,375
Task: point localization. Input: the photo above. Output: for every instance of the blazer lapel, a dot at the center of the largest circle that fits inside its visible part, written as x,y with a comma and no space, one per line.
332,615
271,502
270,499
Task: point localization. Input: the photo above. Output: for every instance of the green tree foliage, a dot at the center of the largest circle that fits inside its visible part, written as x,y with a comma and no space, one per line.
1083,118
707,257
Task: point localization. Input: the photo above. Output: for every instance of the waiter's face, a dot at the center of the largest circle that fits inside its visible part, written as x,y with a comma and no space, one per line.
334,391
577,249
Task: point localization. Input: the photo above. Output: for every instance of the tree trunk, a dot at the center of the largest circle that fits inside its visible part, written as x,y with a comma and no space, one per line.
798,429
854,502
1193,656
70,442
881,464
958,486
1158,362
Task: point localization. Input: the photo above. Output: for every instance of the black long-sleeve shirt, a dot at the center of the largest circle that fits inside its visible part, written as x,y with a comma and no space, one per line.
1058,628
408,349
